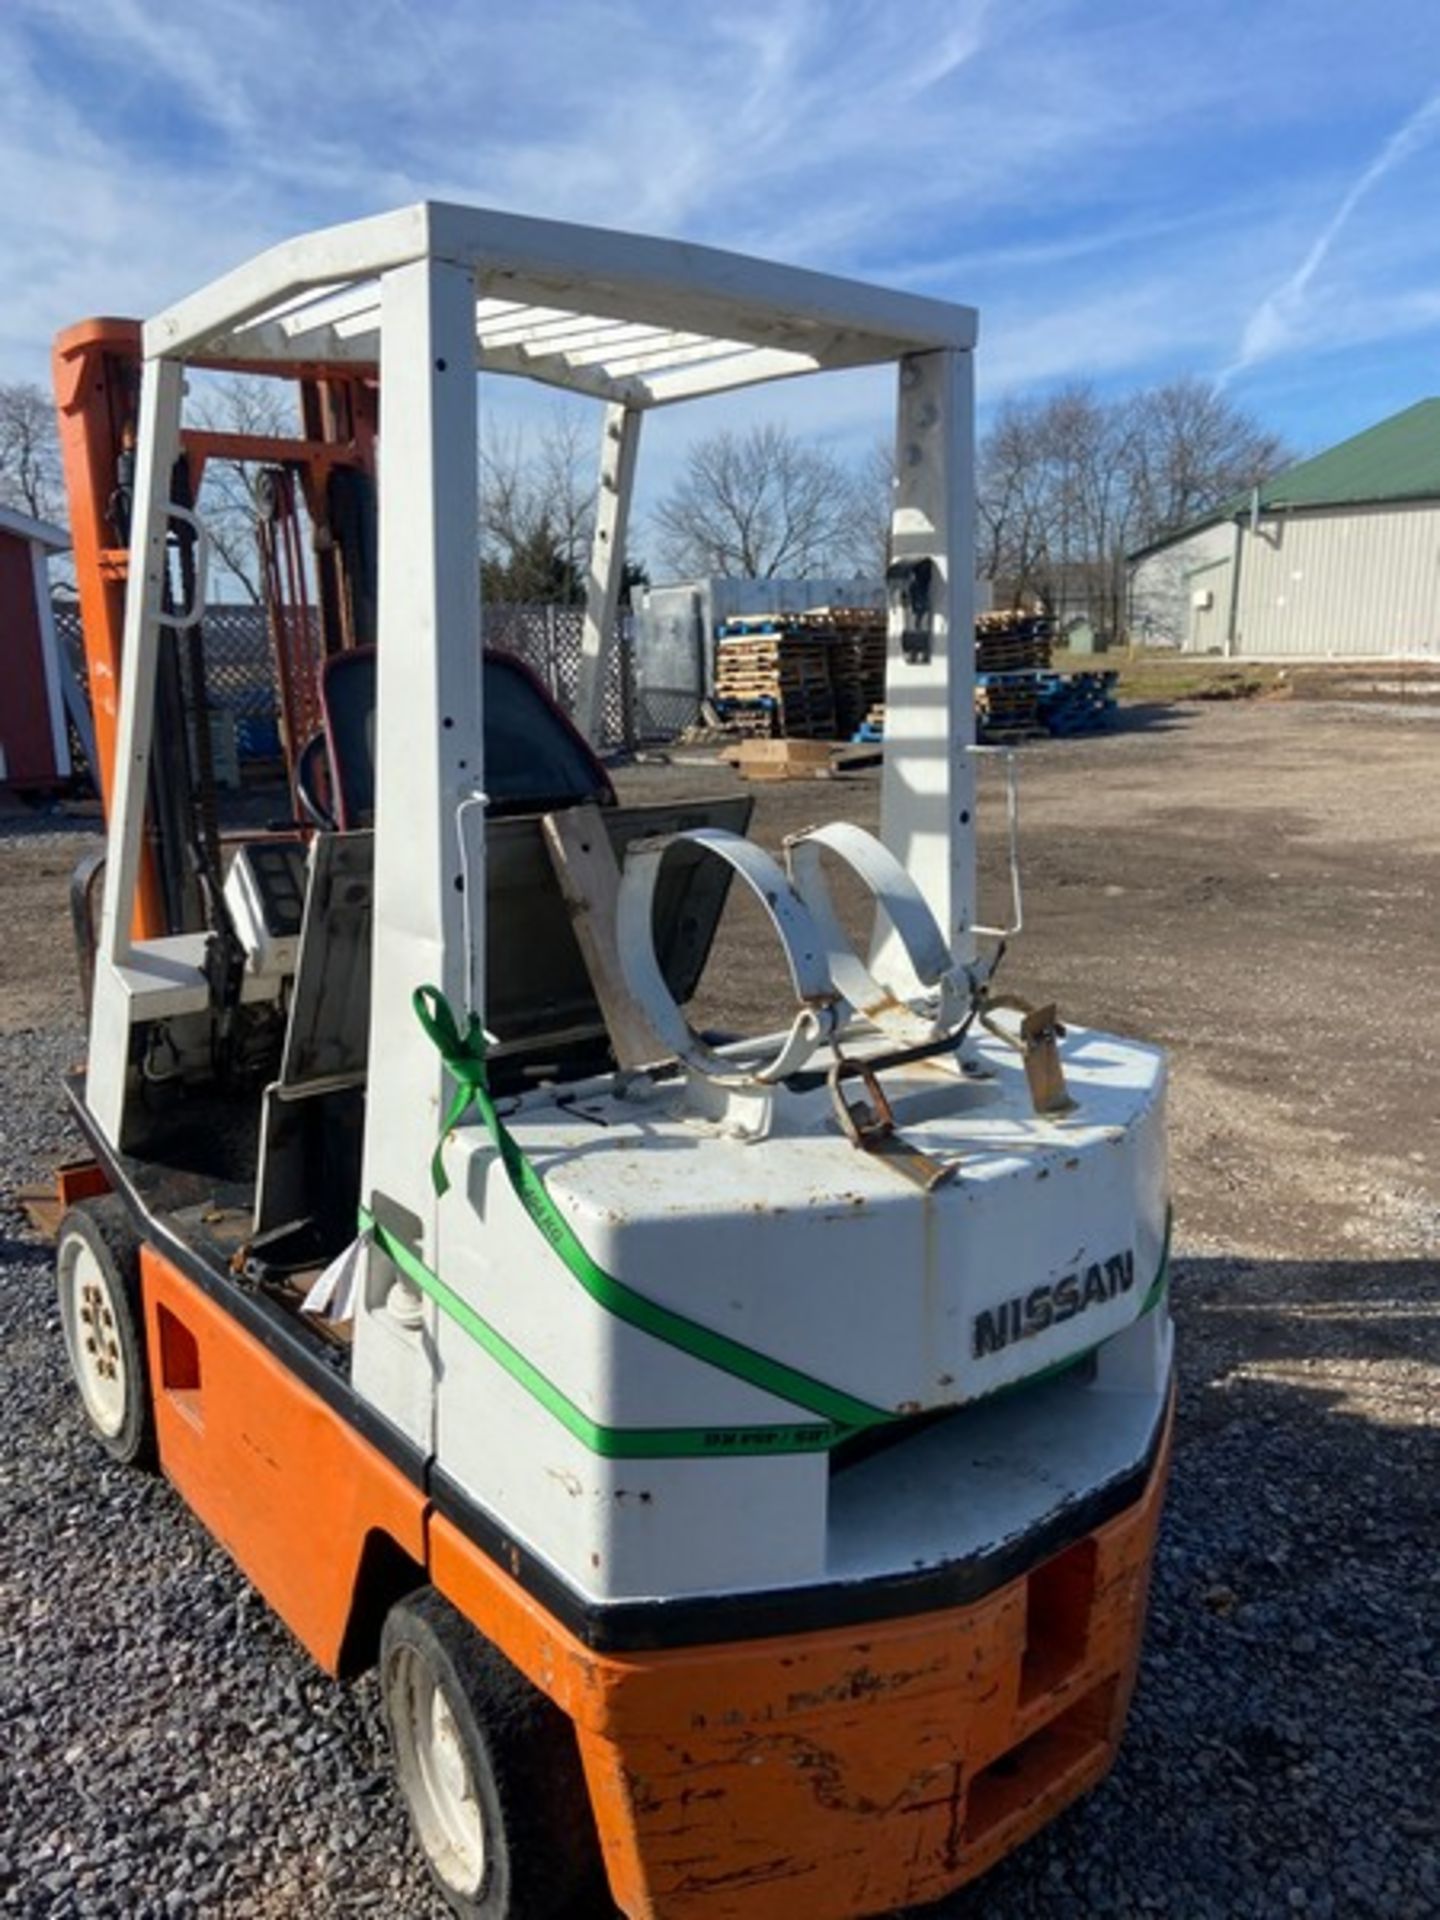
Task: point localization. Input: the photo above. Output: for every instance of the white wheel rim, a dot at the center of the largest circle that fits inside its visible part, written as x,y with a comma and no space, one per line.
435,1773
92,1322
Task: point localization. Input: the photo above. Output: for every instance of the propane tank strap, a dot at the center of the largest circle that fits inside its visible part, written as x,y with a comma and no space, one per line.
464,1057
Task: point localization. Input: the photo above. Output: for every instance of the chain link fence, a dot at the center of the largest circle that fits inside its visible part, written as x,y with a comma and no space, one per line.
240,671
548,640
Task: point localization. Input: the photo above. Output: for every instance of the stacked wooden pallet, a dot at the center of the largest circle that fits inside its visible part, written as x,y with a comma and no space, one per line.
1007,706
821,675
1012,649
856,641
1012,642
749,719
772,677
1012,675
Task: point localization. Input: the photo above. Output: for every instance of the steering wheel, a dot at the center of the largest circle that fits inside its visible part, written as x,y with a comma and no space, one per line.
312,783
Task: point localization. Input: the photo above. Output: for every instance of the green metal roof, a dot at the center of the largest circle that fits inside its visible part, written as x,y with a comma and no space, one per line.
1397,460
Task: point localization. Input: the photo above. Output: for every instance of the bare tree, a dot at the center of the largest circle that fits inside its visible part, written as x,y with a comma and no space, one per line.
1091,447
30,479
1019,534
230,497
1193,449
537,511
1071,483
757,505
872,496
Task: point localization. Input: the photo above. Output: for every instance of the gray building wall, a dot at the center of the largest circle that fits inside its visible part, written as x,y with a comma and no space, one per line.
1163,590
1322,583
1342,582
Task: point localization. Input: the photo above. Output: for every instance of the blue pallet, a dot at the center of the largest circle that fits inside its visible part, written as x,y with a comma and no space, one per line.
257,736
1066,726
1076,703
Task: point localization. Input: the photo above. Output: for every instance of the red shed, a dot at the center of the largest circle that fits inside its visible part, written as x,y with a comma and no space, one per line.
34,741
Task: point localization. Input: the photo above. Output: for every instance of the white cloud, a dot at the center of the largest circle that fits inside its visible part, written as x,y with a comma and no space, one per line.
1285,313
1095,176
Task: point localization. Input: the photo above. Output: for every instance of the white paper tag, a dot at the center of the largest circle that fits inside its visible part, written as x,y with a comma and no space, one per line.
333,1295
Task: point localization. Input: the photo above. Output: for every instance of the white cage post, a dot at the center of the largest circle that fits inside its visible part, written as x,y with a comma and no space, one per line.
429,745
927,807
619,446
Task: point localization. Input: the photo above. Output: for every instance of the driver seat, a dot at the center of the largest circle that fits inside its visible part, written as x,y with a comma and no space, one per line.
536,761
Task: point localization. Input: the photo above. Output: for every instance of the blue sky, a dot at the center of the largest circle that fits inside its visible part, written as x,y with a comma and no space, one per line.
1126,191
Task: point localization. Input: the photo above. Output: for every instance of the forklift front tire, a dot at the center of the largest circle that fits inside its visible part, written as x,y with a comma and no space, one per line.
97,1270
490,1772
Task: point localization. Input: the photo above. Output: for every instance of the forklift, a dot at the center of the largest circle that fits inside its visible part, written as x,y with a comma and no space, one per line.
740,1453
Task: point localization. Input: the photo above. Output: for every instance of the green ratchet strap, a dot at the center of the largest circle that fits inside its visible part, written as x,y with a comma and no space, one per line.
841,1414
1161,1282
464,1057
615,1443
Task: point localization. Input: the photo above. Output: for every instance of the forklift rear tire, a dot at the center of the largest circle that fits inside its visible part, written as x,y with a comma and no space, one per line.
97,1270
490,1772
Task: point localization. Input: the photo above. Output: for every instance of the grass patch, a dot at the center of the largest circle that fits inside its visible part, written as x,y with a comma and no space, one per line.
1160,676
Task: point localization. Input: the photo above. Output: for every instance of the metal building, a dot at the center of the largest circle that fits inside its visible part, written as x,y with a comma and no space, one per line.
1336,558
34,739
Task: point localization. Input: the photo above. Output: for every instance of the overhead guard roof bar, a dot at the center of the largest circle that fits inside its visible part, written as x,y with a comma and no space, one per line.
696,319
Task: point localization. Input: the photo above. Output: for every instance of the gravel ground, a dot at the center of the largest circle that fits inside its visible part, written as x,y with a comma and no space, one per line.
168,1748
170,1751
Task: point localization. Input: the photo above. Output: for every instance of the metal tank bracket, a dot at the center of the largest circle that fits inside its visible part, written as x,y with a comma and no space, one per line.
1037,1041
869,1124
936,997
816,1017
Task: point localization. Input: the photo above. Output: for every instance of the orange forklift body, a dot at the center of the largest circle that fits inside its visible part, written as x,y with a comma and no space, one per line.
833,1773
95,368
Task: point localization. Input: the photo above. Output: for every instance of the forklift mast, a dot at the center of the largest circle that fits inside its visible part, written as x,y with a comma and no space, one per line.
328,466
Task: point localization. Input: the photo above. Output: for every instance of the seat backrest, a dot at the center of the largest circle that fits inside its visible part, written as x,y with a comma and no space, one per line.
538,990
327,1036
535,760
539,993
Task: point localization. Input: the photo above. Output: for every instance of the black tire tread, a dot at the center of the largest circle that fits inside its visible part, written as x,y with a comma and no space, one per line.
552,1865
105,1222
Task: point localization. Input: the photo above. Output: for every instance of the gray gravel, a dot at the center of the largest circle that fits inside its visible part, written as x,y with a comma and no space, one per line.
1283,1753
168,1750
